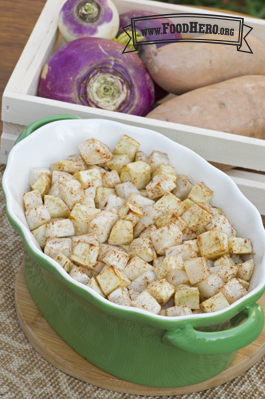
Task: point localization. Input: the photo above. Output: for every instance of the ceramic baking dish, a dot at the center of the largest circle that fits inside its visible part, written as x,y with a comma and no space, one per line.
129,343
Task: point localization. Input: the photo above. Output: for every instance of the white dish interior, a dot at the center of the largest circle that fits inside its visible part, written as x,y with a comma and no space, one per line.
58,140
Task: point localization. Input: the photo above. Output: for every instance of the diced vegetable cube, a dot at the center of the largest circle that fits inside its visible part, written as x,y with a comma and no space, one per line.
56,207
145,301
142,281
139,173
194,245
136,267
165,170
161,290
159,186
55,246
65,262
79,275
40,235
147,232
150,214
110,202
224,260
117,162
196,269
233,290
187,296
94,151
35,174
123,190
166,237
220,222
81,216
130,212
157,158
215,303
143,247
177,277
88,238
127,146
114,257
37,216
120,296
169,203
139,200
177,311
56,174
112,278
32,199
90,191
183,187
187,202
213,244
121,233
244,283
239,245
43,184
197,218
101,194
89,178
111,179
71,192
85,254
70,165
92,283
88,201
102,224
245,270
60,228
140,156
133,294
184,250
227,272
168,263
200,193
210,286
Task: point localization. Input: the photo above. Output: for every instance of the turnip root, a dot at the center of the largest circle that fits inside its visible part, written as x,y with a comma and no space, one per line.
88,18
94,72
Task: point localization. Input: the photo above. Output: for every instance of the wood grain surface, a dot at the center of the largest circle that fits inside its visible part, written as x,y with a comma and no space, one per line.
17,20
52,348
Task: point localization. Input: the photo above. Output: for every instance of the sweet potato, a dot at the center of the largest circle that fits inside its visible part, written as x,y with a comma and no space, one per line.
234,106
182,67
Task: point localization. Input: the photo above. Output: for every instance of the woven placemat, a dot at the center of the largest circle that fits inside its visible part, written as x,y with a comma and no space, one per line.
25,374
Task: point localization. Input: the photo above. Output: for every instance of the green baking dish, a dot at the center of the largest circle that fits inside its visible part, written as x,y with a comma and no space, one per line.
129,343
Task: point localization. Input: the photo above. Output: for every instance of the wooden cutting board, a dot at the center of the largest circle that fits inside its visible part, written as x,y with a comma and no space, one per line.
52,348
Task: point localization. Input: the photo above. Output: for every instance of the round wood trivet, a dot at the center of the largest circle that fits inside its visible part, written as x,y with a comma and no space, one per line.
53,349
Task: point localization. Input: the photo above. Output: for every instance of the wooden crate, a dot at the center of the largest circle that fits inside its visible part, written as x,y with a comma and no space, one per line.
21,106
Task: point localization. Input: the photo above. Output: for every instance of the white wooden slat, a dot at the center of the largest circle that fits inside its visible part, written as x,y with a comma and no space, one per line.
7,142
214,146
244,174
252,186
13,128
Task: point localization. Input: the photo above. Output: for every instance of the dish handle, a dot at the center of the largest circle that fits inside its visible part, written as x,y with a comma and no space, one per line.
230,340
41,122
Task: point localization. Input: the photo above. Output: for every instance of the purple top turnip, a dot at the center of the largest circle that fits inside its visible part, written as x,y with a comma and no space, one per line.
88,18
94,72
